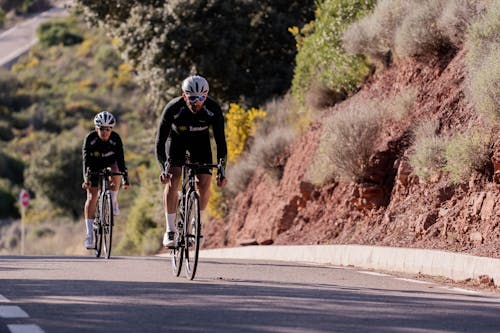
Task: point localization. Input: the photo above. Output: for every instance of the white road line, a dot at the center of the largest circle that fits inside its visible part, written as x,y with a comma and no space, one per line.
25,329
4,299
12,311
412,280
373,273
460,290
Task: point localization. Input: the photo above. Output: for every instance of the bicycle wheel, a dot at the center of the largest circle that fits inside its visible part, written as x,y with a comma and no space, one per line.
107,224
98,228
193,233
178,252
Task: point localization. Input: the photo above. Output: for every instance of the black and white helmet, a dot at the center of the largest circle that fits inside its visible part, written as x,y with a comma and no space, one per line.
195,85
104,118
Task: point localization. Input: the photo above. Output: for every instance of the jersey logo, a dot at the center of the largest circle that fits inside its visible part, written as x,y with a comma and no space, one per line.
197,128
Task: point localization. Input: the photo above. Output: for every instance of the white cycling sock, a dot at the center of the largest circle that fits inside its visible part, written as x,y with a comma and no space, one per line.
202,215
170,218
89,224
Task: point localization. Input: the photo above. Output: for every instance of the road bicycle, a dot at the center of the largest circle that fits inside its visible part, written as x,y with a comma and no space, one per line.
103,222
189,234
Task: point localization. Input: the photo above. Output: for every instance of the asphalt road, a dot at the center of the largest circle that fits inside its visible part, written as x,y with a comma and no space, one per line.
20,39
139,294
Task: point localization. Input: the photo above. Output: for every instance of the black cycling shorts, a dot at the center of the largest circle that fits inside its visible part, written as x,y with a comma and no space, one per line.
94,179
199,150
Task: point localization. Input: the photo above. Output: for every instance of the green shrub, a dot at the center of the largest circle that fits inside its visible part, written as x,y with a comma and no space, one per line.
428,150
56,173
347,143
57,32
11,167
7,204
321,59
108,57
465,153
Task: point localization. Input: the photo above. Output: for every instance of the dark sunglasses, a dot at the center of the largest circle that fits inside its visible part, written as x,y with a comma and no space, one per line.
104,129
196,98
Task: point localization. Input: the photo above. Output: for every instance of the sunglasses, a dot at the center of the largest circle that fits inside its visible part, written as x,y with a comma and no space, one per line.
196,98
104,129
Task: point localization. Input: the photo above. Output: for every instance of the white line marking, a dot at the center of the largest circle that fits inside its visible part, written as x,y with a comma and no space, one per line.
4,299
12,311
412,280
373,273
460,290
25,329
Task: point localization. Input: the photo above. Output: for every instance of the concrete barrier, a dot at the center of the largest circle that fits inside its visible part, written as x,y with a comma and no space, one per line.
455,266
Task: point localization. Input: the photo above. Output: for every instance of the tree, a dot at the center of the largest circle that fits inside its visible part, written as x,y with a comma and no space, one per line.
242,47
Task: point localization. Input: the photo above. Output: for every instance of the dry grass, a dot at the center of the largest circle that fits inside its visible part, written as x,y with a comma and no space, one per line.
428,150
456,18
483,64
347,143
466,153
399,106
419,34
374,34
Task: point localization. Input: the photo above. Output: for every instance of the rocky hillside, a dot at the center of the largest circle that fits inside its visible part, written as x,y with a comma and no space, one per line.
392,207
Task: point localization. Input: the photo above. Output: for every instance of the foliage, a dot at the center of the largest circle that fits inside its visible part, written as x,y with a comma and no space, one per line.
427,158
240,126
11,167
56,172
7,204
168,40
143,233
402,28
57,32
321,59
24,6
465,153
347,143
483,64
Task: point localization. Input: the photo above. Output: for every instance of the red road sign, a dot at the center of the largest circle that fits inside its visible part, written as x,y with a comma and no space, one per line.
24,197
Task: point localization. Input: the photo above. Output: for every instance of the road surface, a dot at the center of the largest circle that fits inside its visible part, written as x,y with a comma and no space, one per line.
139,294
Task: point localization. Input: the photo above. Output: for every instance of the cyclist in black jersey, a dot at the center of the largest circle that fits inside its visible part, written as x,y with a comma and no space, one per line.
102,148
184,126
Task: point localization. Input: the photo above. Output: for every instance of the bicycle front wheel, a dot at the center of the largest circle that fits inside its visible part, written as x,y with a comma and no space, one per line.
193,233
98,228
107,224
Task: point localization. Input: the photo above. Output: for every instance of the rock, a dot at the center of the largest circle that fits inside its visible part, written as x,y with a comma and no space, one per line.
476,237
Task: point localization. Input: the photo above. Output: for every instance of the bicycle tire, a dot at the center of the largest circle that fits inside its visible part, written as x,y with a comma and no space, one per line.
178,252
193,233
98,229
107,224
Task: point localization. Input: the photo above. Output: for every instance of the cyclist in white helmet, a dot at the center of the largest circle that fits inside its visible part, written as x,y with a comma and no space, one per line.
102,148
184,127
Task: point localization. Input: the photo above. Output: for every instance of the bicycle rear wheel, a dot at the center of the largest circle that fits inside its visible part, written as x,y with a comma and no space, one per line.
107,224
193,233
98,229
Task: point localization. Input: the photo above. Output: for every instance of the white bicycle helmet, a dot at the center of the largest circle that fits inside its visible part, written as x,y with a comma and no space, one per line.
195,85
104,118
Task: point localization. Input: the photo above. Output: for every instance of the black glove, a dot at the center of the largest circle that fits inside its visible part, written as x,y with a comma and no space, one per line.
221,170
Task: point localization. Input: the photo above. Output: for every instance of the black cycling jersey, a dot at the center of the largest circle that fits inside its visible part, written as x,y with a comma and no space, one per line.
98,154
181,130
